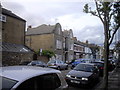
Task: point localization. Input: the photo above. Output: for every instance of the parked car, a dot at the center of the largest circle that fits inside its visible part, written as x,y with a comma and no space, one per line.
76,62
110,66
37,63
31,78
114,62
57,64
24,62
83,74
100,65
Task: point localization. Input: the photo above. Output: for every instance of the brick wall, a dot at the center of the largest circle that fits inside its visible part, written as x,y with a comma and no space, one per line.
36,42
43,58
15,58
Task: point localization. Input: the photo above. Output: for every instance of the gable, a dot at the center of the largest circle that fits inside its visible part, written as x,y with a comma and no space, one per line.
58,29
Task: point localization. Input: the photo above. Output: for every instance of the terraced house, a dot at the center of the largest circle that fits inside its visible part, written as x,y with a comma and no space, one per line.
12,44
46,37
68,45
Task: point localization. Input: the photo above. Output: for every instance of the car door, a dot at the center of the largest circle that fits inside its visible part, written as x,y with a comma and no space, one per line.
62,64
42,82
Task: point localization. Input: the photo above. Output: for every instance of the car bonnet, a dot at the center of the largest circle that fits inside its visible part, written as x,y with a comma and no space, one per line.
80,73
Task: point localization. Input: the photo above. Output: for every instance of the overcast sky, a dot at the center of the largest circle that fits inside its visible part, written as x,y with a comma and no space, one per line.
69,13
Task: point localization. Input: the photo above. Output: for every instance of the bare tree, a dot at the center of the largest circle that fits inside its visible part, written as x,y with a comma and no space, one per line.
109,14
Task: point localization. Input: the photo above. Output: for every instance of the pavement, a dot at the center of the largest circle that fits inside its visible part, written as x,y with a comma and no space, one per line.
113,80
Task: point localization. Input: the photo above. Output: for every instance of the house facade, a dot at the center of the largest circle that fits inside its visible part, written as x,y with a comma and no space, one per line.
46,37
13,27
12,45
79,49
68,45
93,51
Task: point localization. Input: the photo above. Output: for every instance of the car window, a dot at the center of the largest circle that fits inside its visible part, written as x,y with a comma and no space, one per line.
58,61
7,83
36,62
83,67
52,61
61,62
42,82
50,81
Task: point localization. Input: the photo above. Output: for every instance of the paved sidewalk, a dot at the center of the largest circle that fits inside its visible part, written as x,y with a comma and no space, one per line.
113,80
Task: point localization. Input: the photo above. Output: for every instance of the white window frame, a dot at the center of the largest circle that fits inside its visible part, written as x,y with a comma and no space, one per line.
58,44
2,18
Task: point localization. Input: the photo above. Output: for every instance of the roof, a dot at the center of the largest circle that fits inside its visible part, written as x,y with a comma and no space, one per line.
9,13
9,47
42,29
21,73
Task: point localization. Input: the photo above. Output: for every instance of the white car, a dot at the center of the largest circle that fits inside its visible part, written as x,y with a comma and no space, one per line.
31,78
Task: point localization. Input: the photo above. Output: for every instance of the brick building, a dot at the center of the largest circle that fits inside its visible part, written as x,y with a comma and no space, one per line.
68,45
46,37
12,44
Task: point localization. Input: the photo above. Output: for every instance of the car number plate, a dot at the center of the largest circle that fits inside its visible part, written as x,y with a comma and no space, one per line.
73,81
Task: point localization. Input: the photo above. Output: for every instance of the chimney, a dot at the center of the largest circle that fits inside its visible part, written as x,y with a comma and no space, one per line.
29,26
75,38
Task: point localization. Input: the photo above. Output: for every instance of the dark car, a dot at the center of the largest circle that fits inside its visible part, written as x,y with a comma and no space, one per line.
83,74
37,63
24,62
57,64
100,65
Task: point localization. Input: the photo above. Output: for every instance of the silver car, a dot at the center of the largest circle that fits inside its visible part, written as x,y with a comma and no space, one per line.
31,78
57,64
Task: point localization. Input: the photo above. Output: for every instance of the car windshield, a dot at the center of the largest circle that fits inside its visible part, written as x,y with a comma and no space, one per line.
84,67
7,83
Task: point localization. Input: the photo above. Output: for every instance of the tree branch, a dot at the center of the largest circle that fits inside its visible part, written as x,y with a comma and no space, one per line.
98,11
113,34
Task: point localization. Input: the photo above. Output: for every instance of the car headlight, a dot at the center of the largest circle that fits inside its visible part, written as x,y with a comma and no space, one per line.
85,79
68,76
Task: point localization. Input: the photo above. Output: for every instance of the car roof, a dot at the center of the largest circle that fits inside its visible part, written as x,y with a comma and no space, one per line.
97,62
21,73
87,63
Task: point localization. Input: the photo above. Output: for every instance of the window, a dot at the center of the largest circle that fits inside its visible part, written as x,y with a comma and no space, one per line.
59,30
2,18
58,44
7,83
71,46
42,82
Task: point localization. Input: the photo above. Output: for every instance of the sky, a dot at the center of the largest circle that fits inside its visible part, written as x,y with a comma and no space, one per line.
69,13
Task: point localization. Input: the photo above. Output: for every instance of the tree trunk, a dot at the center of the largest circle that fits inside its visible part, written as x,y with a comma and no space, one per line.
106,55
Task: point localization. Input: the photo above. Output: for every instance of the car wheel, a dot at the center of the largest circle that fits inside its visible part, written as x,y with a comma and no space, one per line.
66,68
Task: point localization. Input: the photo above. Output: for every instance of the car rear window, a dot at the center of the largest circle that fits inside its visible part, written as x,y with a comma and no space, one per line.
7,83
